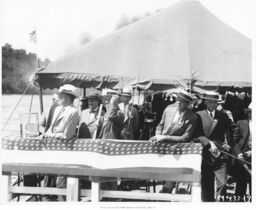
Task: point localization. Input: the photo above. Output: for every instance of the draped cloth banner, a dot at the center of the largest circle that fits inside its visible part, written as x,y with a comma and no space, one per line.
102,154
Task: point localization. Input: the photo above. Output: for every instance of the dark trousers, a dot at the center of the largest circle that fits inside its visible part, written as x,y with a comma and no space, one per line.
242,178
209,172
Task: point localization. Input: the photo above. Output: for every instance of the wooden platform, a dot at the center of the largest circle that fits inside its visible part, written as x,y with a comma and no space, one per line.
97,176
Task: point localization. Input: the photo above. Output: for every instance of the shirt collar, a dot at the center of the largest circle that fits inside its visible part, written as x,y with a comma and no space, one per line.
213,112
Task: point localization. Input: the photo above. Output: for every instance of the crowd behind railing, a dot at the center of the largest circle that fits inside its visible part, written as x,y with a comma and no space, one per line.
221,122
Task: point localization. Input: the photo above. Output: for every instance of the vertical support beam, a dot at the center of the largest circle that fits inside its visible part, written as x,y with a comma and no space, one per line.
41,100
95,192
5,189
196,193
72,189
84,92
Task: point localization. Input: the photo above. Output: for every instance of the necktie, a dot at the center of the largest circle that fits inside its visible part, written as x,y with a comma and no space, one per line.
211,114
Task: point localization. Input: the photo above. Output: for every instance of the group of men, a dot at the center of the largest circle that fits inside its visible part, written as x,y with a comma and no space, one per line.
117,118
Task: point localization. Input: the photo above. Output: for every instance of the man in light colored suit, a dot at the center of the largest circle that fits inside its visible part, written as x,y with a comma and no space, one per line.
178,124
64,122
65,117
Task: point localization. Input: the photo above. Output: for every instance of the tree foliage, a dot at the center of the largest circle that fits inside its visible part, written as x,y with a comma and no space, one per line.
17,67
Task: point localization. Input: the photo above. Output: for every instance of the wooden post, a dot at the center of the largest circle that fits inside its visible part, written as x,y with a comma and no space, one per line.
84,92
196,193
5,189
72,189
95,192
41,100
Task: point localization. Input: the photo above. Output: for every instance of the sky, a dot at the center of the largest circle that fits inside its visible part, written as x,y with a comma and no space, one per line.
61,23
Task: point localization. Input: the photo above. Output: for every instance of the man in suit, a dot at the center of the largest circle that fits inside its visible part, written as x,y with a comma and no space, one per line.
64,122
131,116
213,132
113,119
178,124
242,150
89,118
65,117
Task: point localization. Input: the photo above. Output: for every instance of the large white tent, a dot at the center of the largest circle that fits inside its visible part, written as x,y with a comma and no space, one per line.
182,44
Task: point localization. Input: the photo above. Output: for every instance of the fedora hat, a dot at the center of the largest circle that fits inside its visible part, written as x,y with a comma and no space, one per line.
185,95
211,95
94,96
69,89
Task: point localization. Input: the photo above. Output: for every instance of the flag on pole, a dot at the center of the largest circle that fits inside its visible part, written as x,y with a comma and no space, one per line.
32,37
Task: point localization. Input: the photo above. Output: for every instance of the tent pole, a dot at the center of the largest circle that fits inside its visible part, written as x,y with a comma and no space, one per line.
41,100
84,92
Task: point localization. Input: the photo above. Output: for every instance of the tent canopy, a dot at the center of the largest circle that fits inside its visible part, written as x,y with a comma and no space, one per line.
182,44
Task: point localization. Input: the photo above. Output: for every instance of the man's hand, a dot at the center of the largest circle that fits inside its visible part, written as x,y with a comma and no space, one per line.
203,140
240,156
248,154
157,138
114,100
226,147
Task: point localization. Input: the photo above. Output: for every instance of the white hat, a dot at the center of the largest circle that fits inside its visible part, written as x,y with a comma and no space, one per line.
107,91
69,89
126,92
211,95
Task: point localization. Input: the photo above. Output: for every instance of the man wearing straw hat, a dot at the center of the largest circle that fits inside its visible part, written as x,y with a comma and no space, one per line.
64,122
214,126
131,116
178,124
65,117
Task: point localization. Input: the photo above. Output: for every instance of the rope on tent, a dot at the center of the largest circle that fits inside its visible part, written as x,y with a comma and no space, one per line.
7,121
30,107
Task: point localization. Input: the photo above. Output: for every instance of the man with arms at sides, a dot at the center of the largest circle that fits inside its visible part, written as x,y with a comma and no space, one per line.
131,116
178,124
88,123
213,133
65,120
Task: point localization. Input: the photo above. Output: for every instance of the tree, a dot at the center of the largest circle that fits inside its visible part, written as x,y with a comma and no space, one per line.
17,66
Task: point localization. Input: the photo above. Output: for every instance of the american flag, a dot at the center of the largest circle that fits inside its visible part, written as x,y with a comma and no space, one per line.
32,37
103,154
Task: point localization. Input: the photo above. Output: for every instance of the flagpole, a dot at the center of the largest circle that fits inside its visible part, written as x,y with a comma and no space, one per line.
38,66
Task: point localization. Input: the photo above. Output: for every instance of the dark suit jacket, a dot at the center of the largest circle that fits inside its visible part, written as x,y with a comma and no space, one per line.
112,124
241,137
215,130
184,128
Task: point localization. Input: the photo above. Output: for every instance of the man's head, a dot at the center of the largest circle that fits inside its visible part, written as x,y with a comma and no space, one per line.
184,100
93,101
67,94
126,95
107,95
211,100
55,98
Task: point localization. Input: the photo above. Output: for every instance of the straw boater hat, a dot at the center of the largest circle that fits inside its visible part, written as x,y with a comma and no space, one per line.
69,89
106,92
211,95
126,92
185,95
